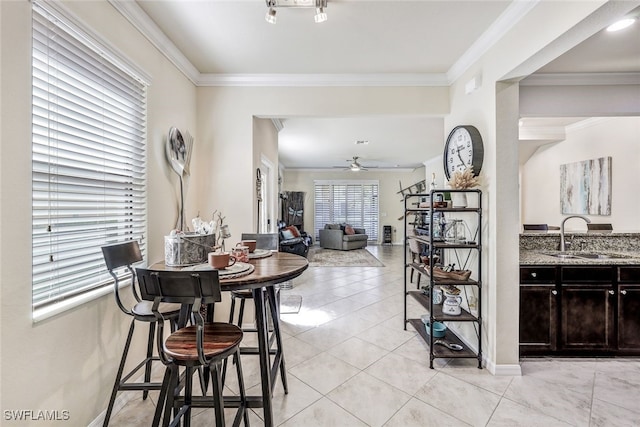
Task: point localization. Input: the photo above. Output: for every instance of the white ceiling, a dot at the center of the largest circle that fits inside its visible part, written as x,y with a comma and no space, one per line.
380,37
396,42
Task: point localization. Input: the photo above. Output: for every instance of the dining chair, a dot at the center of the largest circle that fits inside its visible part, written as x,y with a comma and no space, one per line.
122,256
269,241
263,240
198,345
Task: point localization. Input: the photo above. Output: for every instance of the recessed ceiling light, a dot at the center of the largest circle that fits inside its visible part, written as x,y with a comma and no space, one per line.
621,24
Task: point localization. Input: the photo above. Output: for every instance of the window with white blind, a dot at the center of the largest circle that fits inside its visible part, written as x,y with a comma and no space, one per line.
353,202
88,158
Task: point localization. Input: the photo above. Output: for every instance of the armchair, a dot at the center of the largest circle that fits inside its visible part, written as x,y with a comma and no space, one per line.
294,241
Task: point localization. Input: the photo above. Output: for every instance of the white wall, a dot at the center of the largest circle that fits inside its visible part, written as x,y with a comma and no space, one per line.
493,109
225,123
265,146
391,204
69,362
617,137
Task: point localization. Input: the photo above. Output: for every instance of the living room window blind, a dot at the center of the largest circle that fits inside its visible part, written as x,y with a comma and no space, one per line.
353,202
88,158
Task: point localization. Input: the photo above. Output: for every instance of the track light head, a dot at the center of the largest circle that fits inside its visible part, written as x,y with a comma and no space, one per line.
270,17
320,16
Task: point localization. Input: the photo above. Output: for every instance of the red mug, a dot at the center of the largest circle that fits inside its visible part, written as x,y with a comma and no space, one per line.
220,260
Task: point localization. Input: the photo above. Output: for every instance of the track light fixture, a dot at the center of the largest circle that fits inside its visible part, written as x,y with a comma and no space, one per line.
319,5
270,17
320,16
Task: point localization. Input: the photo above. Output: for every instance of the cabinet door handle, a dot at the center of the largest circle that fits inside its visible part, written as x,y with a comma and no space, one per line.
534,274
612,293
623,292
554,292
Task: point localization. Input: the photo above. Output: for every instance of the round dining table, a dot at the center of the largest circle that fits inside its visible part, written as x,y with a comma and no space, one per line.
267,271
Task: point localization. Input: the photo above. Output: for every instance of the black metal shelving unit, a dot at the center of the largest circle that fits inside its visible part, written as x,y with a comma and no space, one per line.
436,246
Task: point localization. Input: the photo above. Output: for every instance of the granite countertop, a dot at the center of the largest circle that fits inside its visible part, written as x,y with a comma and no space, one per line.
545,257
622,248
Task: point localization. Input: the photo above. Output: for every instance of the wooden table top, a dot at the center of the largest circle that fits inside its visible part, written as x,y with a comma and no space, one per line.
277,268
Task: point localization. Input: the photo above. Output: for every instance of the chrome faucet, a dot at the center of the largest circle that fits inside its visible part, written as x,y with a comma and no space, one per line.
562,242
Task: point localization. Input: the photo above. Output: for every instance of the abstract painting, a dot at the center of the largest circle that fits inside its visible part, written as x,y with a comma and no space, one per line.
585,187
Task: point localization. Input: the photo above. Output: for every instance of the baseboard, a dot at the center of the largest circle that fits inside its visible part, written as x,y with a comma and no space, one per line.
504,370
497,370
122,399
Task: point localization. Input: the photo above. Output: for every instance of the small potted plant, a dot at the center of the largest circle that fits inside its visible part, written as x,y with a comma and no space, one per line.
462,180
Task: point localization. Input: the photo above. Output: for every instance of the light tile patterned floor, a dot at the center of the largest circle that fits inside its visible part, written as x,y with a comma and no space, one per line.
350,363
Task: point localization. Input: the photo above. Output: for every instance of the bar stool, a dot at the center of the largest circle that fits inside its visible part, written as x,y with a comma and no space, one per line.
263,241
196,346
125,255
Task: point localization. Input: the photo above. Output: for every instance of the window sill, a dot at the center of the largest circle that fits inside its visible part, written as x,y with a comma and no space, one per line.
52,310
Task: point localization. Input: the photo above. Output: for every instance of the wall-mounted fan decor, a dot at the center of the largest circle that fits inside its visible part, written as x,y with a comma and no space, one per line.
178,150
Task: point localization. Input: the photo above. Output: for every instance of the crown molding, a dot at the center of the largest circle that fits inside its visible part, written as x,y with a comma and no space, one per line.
507,20
141,21
581,79
533,133
582,124
339,170
278,124
322,80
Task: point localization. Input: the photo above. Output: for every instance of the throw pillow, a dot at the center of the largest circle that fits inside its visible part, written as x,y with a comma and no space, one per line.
349,230
287,234
294,230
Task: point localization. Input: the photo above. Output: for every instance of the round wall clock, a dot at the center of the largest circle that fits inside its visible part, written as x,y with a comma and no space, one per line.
463,149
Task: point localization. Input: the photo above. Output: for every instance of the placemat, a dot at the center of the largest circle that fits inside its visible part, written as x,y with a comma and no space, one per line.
260,253
238,269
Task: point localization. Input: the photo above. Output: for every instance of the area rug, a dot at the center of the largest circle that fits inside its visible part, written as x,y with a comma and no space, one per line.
320,257
290,304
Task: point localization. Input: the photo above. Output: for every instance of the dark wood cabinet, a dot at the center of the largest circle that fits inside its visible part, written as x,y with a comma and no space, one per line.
538,310
587,317
629,310
538,314
580,310
587,308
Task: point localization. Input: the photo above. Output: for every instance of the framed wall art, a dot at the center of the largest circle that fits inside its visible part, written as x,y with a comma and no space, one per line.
585,187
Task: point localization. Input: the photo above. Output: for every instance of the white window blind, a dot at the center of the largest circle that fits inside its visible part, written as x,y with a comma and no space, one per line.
88,159
352,202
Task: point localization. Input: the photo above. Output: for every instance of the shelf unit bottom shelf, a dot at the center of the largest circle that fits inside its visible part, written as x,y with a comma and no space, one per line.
441,351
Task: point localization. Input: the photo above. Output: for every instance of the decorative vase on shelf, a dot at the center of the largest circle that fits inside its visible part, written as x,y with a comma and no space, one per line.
458,200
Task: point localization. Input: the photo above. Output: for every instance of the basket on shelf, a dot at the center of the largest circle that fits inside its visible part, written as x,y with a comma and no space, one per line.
439,273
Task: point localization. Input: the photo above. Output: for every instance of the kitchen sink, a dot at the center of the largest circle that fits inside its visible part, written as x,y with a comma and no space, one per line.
562,256
585,255
599,256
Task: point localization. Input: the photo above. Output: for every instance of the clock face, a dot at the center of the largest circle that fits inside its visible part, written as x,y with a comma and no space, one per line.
463,149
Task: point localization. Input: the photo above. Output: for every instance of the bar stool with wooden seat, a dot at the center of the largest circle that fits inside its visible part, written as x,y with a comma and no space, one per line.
267,241
198,345
124,255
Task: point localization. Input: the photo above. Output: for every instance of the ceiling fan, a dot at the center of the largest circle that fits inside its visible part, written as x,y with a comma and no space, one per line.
355,165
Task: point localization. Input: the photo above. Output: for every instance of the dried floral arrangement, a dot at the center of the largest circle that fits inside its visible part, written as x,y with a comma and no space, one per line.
463,180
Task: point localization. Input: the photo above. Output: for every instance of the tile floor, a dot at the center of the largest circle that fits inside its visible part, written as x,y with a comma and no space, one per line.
350,363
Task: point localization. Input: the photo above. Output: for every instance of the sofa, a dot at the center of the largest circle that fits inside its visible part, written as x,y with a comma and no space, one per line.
342,237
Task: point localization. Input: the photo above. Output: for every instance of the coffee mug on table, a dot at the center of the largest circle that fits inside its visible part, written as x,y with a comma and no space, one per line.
251,244
220,260
241,253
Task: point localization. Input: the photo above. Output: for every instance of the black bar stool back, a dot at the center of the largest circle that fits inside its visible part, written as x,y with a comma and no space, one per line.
198,345
119,259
